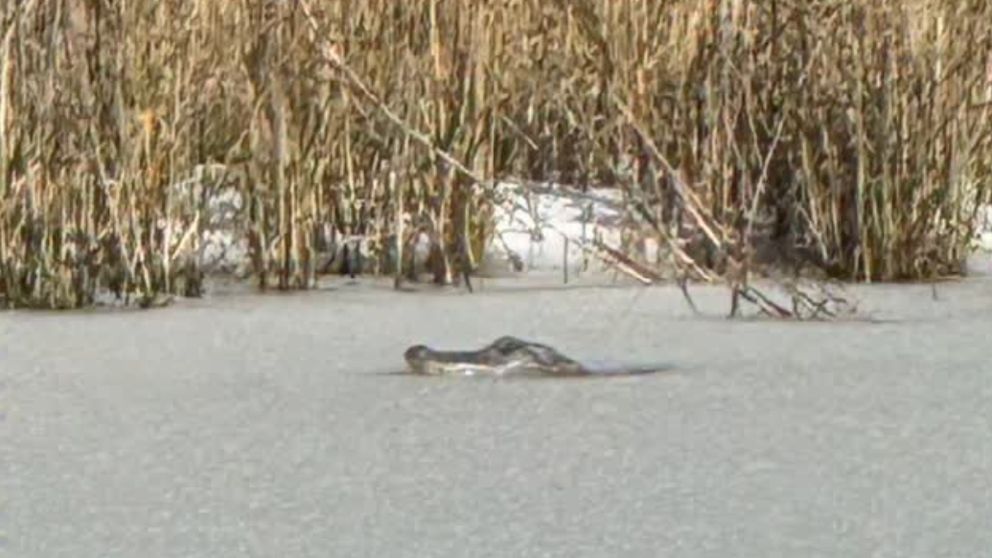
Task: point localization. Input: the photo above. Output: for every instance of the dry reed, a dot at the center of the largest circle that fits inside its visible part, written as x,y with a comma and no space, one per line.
854,136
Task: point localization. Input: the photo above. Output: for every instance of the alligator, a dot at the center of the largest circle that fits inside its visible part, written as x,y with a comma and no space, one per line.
509,356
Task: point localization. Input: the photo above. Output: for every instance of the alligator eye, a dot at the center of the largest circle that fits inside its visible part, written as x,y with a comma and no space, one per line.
417,351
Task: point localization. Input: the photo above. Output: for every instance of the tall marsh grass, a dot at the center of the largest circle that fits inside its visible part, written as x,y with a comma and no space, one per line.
855,135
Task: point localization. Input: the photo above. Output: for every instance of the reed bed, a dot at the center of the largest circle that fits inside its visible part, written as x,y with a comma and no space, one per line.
853,136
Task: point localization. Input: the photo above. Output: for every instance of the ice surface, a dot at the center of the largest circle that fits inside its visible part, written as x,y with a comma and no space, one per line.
264,426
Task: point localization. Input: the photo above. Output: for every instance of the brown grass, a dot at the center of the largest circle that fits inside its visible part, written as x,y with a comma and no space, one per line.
852,135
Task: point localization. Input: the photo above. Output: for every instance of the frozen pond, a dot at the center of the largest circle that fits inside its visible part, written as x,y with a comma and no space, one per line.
261,426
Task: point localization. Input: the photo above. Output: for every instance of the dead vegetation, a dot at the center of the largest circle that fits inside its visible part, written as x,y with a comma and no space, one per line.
853,137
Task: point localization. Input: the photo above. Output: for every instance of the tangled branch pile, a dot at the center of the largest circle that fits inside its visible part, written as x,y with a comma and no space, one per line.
853,135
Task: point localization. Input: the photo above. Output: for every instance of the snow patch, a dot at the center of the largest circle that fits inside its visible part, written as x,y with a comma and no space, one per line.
212,197
536,227
983,229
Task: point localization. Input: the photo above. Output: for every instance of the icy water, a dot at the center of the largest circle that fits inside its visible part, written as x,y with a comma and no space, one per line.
268,426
